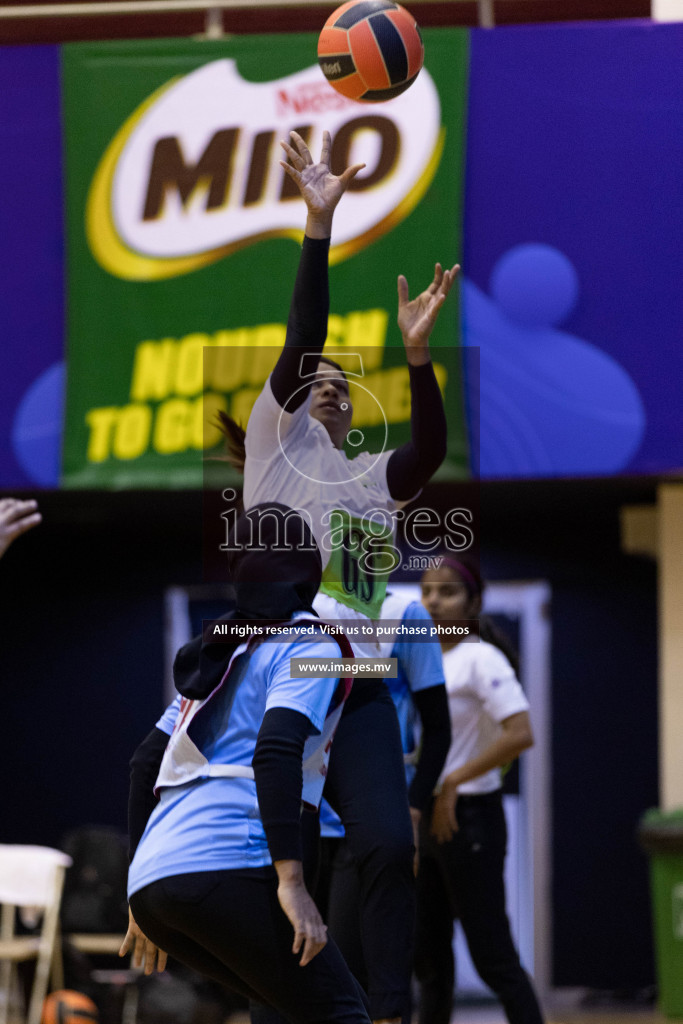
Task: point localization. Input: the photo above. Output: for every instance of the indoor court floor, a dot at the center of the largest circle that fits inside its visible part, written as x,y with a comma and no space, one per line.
492,1014
568,1015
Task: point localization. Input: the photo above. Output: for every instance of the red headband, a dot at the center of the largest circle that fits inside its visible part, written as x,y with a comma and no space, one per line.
470,581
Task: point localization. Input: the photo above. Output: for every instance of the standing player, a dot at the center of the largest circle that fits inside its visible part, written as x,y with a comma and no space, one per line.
419,695
216,879
294,455
462,853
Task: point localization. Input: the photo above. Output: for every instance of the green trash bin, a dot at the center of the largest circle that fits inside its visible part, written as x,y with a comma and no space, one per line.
661,836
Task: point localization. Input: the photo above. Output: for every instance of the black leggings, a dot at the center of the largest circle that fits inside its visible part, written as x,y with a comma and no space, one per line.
366,786
464,878
229,926
343,903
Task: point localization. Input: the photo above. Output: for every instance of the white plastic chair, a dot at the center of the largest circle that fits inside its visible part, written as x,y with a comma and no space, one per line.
30,877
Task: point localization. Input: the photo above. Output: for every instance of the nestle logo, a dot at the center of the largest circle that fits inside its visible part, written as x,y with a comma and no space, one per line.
311,99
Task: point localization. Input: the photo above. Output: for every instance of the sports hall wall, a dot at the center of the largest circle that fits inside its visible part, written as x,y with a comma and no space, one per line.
567,227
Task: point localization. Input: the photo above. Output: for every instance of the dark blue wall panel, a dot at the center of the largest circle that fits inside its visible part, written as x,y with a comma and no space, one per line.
573,227
31,279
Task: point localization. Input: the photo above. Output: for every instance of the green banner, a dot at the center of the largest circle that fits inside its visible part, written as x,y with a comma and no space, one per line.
183,240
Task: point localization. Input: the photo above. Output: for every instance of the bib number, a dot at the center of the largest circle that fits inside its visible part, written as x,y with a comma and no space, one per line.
360,564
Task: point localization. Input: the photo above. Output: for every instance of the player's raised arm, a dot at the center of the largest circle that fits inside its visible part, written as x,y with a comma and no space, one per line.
307,324
411,466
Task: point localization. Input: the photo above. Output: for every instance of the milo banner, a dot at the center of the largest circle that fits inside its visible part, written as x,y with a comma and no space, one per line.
183,237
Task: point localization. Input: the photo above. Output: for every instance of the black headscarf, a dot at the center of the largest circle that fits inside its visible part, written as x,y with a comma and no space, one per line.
275,566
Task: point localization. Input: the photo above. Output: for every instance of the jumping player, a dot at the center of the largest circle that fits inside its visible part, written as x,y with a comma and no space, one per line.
293,455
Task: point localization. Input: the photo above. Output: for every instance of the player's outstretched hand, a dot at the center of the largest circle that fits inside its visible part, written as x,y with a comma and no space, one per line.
145,953
416,317
16,517
320,189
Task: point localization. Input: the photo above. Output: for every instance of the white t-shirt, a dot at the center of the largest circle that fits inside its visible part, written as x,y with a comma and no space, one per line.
482,691
291,460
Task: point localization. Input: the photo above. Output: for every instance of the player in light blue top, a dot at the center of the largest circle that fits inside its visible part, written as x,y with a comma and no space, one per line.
420,667
218,815
216,879
419,695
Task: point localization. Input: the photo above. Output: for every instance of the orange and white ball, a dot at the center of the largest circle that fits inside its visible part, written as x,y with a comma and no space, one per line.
370,50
